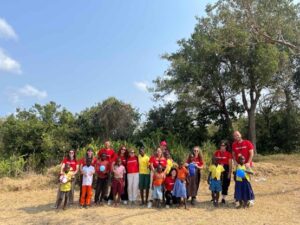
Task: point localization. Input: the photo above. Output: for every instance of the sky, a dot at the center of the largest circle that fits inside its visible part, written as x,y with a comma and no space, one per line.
79,53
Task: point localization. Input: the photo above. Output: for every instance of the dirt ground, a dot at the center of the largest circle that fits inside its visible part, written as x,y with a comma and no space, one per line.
276,186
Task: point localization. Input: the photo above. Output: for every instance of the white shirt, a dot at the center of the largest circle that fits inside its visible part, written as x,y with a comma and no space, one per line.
88,175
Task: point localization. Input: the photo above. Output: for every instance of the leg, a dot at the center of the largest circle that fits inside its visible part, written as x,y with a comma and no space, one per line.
142,196
83,195
67,194
89,195
71,193
130,186
135,186
168,197
60,199
97,191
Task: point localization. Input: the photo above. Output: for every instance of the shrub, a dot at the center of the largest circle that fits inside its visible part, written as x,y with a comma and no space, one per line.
12,167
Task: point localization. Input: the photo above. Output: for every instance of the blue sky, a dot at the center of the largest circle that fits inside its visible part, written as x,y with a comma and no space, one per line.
78,53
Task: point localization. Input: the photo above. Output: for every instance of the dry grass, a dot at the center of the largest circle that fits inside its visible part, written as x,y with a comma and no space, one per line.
276,185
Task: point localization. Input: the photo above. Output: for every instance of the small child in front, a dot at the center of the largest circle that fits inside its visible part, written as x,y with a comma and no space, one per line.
157,189
214,180
86,190
179,190
65,186
243,190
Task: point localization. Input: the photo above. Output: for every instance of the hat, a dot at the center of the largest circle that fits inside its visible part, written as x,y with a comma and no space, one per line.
163,143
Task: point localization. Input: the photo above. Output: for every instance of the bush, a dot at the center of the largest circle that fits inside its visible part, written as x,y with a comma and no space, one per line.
12,167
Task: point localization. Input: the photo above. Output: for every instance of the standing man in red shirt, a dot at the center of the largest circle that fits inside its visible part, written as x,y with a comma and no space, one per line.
242,147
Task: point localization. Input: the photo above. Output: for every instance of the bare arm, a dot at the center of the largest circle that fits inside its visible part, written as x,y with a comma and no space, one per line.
251,151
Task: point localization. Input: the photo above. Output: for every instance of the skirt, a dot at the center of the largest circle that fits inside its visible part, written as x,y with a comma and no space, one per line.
157,192
243,191
193,184
179,190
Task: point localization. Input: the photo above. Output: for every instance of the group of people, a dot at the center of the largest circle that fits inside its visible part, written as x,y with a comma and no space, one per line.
121,175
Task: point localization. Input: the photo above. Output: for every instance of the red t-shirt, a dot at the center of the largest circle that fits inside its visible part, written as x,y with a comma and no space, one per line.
169,183
196,160
223,157
82,161
132,165
242,148
156,161
73,163
110,154
123,159
102,174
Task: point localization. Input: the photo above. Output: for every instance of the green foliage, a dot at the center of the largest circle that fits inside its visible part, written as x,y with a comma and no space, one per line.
12,167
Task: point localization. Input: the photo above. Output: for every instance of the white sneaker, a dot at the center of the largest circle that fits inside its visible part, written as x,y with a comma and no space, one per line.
149,205
250,203
109,202
125,202
167,206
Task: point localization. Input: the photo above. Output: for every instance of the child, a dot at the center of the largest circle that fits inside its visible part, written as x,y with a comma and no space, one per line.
243,190
65,186
169,185
144,175
158,179
102,170
179,190
214,180
118,181
87,179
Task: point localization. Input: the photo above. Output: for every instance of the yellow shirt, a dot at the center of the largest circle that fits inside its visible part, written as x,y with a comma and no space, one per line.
216,171
144,164
169,165
247,176
67,186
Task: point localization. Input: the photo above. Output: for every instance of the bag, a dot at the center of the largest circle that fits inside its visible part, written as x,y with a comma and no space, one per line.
192,169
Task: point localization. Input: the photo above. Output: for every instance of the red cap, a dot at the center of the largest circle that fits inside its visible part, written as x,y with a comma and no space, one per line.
163,143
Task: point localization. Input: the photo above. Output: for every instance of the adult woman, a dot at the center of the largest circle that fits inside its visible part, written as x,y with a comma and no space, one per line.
224,158
194,180
132,169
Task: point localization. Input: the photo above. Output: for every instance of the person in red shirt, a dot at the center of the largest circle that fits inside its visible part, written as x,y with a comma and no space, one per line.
123,154
132,169
164,147
194,179
157,159
169,185
224,158
242,147
102,169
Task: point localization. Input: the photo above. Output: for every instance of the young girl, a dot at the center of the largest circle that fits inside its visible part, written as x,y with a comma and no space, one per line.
214,180
243,190
65,186
179,190
169,185
87,179
158,179
118,181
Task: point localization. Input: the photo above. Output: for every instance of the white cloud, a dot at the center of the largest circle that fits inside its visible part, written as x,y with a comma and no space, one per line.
6,31
142,86
30,91
8,64
17,95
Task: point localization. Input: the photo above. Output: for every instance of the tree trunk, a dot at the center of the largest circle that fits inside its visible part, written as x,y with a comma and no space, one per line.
252,127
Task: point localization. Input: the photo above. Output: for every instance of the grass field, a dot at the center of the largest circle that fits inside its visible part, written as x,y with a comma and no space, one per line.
28,200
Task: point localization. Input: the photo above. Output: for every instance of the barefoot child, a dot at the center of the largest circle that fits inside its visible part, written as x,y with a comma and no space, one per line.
169,185
243,190
179,190
158,179
118,181
87,179
102,170
65,186
214,180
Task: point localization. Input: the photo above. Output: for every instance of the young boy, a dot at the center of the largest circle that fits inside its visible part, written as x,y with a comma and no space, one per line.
214,180
65,186
144,175
102,170
86,193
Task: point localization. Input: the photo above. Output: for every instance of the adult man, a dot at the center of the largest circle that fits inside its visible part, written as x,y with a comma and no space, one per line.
242,147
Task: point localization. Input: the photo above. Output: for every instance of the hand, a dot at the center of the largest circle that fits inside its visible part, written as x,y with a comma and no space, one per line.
247,165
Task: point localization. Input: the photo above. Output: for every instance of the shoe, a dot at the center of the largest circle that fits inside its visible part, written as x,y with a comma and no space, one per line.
167,206
223,201
125,202
109,202
81,206
193,201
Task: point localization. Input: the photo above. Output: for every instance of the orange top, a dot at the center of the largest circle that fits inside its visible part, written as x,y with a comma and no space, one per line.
182,173
158,179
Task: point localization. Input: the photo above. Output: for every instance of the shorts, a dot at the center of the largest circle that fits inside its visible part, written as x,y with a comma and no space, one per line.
117,186
144,181
157,192
215,185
